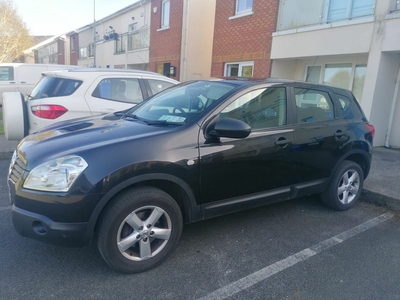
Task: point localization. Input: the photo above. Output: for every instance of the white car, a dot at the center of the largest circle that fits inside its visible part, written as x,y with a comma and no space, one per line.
75,93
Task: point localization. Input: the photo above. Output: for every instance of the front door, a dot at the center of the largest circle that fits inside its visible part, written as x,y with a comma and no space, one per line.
261,162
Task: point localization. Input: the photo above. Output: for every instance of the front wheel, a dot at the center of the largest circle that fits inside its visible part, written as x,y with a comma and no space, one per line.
139,230
345,186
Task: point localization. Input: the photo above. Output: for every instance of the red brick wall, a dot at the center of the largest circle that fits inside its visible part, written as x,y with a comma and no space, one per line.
246,38
74,54
165,45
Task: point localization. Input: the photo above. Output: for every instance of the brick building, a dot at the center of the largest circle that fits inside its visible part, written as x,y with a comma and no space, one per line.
242,37
166,36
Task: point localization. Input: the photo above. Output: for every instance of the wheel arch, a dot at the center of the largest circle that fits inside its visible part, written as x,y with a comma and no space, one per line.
362,158
172,185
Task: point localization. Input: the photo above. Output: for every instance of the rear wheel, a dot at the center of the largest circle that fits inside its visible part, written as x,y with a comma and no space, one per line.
345,186
14,116
139,230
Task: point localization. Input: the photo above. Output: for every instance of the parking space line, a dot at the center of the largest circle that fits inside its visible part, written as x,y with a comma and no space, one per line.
252,279
4,208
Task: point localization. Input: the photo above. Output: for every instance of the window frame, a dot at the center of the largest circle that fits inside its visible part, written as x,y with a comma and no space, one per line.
240,64
165,24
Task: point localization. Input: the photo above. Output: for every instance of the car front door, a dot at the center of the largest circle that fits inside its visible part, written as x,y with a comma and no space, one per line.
252,166
320,135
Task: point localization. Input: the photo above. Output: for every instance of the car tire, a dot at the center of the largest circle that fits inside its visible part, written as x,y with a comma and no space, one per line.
127,240
345,186
14,116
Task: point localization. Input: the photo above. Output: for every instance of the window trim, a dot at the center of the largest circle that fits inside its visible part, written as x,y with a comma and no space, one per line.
241,65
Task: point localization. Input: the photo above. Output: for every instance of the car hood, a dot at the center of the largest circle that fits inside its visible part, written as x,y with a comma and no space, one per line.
82,134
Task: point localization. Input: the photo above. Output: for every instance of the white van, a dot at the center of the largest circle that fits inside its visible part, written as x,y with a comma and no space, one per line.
17,77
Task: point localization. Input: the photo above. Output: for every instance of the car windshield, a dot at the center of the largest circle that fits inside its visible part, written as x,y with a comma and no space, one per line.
54,87
182,103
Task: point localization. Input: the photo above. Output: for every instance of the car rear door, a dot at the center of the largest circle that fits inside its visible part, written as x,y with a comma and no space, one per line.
320,134
261,162
109,93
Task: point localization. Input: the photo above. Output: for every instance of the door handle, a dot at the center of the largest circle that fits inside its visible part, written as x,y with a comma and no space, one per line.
340,134
23,82
12,82
282,141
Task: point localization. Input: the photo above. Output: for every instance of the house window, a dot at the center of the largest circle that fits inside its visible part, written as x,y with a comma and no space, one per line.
72,43
240,69
344,75
165,14
243,6
83,53
398,4
120,44
348,9
91,50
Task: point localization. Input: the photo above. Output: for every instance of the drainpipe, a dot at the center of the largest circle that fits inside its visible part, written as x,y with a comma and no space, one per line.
396,93
183,62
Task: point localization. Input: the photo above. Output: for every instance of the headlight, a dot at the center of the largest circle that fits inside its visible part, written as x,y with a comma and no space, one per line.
56,175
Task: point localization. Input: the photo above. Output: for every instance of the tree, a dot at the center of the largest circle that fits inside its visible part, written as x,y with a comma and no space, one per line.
14,35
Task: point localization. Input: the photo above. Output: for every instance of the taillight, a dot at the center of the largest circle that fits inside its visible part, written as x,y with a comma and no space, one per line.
48,111
371,129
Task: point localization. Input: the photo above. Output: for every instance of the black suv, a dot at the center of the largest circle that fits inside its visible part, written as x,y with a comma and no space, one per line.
195,151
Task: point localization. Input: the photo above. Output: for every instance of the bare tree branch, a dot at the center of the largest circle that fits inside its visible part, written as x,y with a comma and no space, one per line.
14,35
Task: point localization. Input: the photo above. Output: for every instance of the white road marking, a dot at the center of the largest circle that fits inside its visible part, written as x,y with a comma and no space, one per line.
252,279
4,208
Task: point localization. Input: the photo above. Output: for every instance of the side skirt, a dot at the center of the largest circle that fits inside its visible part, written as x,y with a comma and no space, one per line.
235,204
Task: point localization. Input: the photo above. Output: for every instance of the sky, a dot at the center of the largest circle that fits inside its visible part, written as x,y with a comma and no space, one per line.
55,17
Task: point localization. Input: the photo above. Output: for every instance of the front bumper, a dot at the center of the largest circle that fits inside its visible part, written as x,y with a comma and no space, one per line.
42,228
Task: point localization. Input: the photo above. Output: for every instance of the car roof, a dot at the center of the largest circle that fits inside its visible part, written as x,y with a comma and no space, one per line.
82,73
248,81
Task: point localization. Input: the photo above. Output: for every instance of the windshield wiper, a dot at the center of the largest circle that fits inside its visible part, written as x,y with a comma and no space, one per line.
150,122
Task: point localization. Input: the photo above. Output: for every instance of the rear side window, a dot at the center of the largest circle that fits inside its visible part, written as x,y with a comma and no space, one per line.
6,73
344,104
119,89
157,86
54,87
313,106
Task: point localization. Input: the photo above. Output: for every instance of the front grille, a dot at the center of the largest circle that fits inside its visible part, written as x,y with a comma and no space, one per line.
17,170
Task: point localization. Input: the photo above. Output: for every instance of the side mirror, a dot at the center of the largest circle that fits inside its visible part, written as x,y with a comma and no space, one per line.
230,128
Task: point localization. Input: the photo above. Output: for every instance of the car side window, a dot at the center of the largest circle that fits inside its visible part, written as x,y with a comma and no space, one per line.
260,109
157,86
313,106
119,89
344,104
6,73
